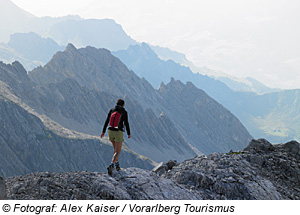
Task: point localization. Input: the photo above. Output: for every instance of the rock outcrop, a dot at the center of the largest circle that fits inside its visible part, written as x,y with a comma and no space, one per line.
260,171
131,183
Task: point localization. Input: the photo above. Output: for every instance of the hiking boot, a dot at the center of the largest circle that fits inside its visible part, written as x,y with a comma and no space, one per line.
118,166
110,170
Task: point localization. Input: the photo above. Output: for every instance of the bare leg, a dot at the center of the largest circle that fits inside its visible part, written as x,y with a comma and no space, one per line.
114,145
117,151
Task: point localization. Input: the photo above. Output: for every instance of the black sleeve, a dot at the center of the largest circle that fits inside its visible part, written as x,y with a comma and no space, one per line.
126,123
106,122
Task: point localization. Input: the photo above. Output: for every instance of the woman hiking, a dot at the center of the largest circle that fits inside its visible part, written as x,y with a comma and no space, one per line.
117,117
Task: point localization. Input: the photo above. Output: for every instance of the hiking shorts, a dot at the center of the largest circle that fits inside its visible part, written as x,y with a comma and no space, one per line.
116,136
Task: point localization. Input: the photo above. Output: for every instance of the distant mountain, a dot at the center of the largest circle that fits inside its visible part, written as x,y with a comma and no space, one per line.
146,63
19,23
24,22
33,46
245,85
276,115
29,48
97,69
167,54
263,115
234,83
105,33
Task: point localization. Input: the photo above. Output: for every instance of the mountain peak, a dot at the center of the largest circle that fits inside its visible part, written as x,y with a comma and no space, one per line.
71,48
175,84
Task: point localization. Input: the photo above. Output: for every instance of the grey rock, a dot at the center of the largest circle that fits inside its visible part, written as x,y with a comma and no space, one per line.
261,171
160,168
292,147
237,175
171,164
256,159
131,183
2,189
260,145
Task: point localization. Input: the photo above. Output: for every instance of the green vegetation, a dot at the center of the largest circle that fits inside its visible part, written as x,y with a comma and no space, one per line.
235,153
43,137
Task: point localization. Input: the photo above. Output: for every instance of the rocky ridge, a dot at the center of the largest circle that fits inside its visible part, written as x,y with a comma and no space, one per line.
84,110
260,171
203,119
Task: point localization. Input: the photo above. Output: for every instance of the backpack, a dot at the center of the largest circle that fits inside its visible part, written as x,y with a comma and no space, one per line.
114,119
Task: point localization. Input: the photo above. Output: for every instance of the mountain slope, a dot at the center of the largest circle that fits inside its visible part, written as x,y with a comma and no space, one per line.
98,69
203,121
95,69
281,122
78,108
31,142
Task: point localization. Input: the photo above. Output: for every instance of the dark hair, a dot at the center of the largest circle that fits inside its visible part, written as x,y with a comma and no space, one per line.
120,102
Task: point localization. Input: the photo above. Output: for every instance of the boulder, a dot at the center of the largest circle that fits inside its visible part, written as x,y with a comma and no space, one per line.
162,167
292,147
171,164
260,145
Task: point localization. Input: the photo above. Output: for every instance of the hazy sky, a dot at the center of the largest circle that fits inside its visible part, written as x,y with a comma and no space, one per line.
257,38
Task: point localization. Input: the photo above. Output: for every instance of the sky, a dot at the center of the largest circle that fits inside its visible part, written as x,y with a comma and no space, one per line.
242,38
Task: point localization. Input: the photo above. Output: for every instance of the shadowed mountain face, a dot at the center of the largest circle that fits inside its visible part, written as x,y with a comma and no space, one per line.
97,69
79,108
27,145
205,123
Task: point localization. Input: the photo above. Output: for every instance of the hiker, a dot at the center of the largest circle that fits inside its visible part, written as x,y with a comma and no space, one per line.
117,118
